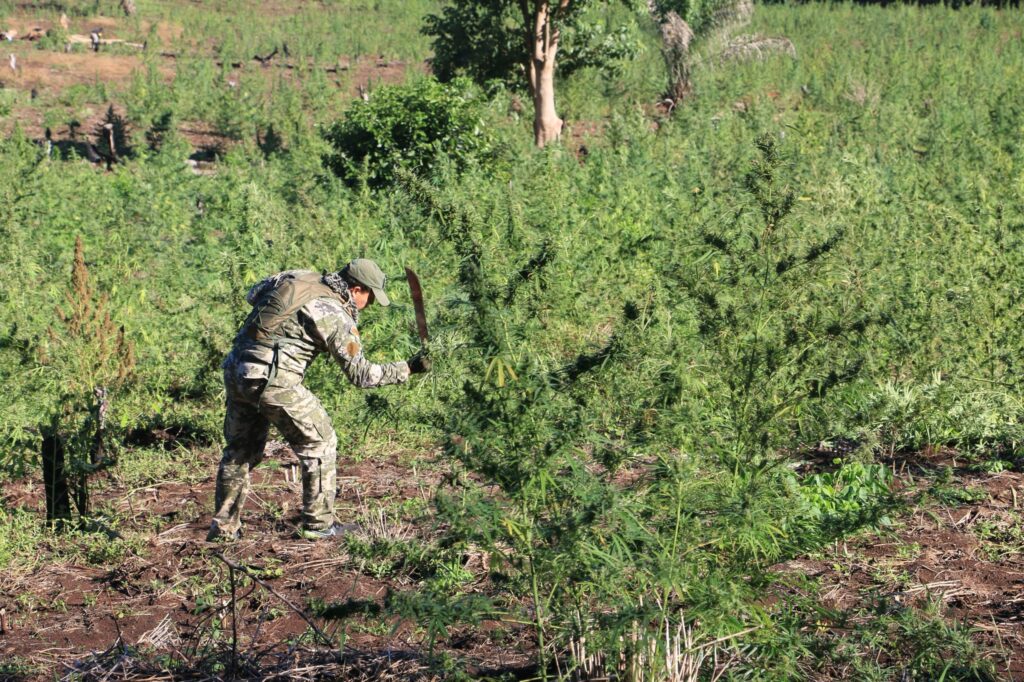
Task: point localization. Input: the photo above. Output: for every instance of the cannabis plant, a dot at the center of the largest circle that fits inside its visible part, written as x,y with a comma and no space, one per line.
778,325
87,356
548,513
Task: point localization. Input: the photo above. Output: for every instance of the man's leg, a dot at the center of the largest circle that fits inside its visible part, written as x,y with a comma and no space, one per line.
245,431
304,423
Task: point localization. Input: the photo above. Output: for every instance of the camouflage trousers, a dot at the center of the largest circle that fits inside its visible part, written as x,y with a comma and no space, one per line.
253,405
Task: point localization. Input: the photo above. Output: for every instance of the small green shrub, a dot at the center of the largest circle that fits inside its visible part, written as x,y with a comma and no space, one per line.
384,557
853,494
55,39
20,536
410,126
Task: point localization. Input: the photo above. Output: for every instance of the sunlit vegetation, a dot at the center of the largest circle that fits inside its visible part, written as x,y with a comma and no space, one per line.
672,351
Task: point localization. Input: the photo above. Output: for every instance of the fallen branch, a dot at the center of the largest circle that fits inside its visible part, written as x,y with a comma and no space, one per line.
265,60
269,588
76,39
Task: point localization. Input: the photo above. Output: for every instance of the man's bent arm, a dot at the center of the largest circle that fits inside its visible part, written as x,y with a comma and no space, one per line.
341,337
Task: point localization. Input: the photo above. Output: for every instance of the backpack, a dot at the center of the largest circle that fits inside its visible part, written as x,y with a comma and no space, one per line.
276,299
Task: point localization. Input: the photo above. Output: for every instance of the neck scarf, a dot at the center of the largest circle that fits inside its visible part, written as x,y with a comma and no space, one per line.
340,287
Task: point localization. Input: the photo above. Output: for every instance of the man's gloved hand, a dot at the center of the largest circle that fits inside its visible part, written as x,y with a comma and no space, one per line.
419,363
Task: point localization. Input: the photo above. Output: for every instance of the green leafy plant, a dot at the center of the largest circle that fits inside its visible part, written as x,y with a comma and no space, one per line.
88,356
412,127
775,325
522,426
850,496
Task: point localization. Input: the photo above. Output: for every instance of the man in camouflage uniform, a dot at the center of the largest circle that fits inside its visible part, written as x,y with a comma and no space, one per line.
296,316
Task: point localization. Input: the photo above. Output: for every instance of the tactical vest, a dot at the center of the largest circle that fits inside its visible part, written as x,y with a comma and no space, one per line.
276,306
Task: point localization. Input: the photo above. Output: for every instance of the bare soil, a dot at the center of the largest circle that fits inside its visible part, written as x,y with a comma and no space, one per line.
54,72
172,594
958,554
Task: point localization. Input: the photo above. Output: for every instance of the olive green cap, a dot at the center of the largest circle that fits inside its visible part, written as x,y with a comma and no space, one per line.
366,272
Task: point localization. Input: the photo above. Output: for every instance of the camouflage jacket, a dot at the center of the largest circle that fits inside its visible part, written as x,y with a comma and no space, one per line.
322,325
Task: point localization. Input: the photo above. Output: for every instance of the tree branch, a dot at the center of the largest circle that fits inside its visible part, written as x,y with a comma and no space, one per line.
530,41
539,31
245,569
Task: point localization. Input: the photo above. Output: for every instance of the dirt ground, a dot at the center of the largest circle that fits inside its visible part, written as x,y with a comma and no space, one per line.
961,548
172,594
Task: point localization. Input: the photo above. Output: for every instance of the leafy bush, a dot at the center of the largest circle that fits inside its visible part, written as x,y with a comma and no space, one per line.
408,126
850,496
474,39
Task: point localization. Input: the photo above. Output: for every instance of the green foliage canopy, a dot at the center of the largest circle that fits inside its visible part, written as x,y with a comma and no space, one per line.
411,127
488,41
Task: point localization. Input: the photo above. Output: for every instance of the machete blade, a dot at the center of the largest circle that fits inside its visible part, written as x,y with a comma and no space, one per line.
417,304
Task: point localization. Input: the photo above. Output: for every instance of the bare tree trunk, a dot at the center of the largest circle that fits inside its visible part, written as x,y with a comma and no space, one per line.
55,482
540,70
547,124
99,446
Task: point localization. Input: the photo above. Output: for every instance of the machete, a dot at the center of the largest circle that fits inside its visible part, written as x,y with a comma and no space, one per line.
417,304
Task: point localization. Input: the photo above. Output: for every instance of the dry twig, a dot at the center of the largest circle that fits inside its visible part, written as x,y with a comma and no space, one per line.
270,588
